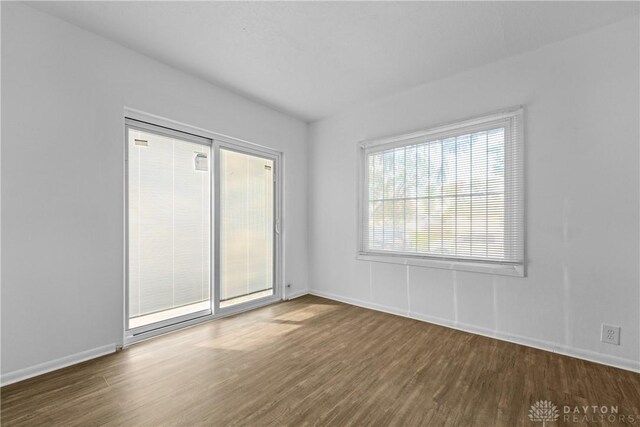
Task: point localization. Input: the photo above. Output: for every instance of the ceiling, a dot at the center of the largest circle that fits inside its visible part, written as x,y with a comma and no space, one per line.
313,59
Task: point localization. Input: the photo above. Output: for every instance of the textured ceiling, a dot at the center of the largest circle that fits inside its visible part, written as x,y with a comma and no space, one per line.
313,59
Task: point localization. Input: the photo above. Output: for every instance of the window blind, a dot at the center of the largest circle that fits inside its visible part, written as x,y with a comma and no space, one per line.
169,222
456,193
246,228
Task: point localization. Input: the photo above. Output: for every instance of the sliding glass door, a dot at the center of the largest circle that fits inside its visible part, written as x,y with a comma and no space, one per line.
246,227
169,216
202,228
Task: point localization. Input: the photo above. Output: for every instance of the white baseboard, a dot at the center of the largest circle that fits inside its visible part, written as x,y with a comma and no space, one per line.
591,356
53,365
298,294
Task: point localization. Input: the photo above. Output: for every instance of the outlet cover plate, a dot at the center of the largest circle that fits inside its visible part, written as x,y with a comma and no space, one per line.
610,334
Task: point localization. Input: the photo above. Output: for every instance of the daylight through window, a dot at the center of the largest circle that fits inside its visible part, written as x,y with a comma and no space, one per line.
453,193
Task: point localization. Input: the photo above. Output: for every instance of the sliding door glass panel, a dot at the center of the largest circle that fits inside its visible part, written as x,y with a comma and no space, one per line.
246,227
169,227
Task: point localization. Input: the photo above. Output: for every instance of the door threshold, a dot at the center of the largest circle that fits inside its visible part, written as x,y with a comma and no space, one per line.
130,339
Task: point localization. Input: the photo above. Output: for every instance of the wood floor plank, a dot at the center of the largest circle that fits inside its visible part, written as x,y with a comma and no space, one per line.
317,362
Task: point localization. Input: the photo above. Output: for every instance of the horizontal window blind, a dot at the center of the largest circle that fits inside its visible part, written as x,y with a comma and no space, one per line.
169,222
246,228
455,194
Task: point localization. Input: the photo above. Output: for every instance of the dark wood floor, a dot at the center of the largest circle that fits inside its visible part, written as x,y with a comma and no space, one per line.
312,361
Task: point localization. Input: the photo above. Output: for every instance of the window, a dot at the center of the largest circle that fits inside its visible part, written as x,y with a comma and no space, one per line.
449,197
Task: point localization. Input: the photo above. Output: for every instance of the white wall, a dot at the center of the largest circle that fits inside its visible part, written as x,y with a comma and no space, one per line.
582,137
63,94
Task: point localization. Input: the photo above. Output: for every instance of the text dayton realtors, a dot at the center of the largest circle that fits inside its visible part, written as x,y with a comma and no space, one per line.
595,413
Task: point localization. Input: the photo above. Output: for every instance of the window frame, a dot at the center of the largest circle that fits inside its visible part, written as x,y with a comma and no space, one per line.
514,176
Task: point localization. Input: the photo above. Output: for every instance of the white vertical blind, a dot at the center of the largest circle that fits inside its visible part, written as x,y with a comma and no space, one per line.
246,228
169,222
456,194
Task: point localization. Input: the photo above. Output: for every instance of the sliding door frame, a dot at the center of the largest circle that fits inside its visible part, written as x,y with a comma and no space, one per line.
152,122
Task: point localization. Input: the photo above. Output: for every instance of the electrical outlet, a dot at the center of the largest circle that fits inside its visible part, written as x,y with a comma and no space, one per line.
610,334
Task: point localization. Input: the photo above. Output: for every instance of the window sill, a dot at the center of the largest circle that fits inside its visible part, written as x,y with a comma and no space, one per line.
516,270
